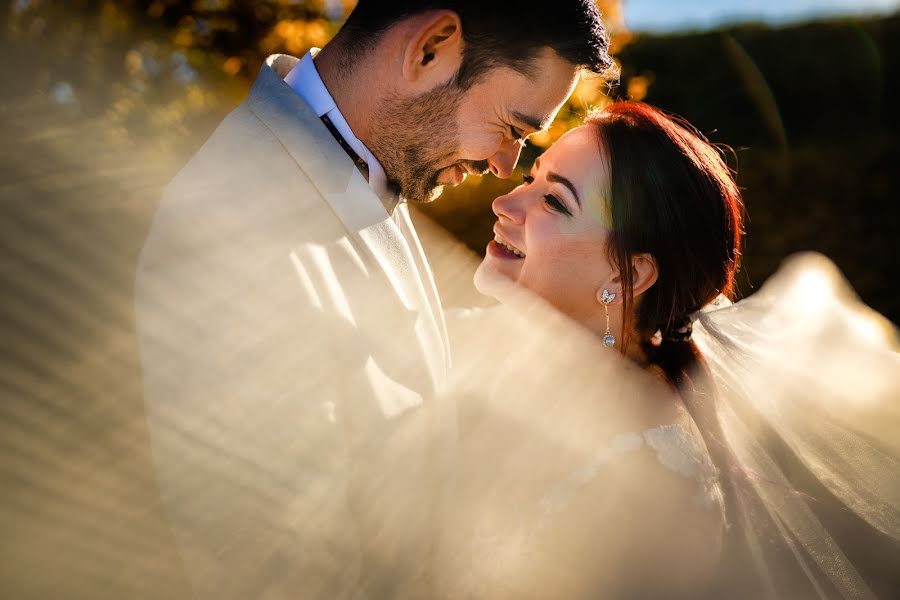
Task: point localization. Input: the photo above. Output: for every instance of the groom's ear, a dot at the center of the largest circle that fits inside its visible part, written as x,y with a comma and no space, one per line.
434,50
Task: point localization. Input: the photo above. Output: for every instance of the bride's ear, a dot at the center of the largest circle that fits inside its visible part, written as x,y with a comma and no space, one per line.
645,271
644,274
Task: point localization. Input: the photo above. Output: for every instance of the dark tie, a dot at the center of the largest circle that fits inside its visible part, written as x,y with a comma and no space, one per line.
357,160
391,198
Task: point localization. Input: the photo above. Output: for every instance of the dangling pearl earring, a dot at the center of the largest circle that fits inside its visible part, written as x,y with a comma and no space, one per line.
609,340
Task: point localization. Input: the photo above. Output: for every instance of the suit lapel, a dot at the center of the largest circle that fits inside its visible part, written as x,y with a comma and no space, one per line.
343,187
430,288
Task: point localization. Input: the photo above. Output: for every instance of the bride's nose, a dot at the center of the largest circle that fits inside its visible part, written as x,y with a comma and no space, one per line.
509,206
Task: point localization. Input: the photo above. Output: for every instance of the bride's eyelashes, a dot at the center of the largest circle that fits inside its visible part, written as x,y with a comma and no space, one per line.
556,205
552,201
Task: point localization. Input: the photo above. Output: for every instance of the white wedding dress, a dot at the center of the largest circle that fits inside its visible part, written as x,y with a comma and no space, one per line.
561,492
576,473
508,555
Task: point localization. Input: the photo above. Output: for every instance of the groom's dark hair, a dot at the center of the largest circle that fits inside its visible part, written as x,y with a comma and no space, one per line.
496,33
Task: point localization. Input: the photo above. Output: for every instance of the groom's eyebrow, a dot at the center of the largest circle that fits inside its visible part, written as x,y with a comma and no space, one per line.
532,121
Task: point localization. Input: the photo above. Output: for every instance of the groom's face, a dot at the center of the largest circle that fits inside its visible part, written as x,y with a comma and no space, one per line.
441,136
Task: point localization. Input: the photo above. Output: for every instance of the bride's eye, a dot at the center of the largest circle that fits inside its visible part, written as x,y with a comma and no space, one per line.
527,179
555,204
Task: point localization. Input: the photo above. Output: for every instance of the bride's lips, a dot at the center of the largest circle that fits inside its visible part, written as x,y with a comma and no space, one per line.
498,251
500,248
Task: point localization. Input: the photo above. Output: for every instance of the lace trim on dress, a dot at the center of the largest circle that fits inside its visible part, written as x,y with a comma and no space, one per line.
676,449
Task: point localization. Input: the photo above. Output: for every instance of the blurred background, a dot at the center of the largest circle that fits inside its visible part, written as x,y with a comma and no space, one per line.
798,91
103,101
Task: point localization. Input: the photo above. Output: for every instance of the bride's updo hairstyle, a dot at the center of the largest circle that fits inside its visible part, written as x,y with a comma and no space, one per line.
671,196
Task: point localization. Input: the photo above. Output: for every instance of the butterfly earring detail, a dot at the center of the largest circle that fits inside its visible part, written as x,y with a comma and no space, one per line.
609,340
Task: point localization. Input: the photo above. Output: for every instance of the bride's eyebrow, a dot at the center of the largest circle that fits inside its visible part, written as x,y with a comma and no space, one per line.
557,178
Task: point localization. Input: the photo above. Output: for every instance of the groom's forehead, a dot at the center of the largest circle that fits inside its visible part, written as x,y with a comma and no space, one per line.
533,100
531,111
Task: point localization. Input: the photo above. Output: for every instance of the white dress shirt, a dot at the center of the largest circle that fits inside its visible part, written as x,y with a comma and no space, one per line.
304,79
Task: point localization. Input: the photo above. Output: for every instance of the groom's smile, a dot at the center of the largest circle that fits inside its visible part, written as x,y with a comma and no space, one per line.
456,174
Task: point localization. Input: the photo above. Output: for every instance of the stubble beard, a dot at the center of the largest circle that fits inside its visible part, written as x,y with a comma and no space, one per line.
417,139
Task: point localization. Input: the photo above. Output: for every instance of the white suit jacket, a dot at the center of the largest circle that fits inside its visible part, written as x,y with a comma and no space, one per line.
293,352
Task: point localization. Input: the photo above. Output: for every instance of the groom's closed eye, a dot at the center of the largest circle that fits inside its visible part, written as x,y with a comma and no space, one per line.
531,122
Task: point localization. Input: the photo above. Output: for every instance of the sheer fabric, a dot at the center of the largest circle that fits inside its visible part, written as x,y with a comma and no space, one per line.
809,405
569,477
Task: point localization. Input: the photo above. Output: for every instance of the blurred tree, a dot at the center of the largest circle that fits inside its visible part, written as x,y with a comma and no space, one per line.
168,64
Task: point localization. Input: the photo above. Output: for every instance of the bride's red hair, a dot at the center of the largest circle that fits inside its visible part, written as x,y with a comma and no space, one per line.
671,196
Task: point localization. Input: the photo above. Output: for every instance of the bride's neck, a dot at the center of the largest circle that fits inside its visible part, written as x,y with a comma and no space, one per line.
634,350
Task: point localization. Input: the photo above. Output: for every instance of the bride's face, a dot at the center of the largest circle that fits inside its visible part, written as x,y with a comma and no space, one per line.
552,230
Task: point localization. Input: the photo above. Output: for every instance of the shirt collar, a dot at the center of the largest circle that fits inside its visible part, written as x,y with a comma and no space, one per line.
305,80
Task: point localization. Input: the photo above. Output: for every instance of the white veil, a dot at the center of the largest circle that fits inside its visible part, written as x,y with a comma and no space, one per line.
808,403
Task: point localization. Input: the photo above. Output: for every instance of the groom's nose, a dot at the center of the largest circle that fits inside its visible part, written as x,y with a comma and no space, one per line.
504,160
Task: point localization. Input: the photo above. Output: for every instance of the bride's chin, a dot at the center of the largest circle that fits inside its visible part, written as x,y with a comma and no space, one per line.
489,282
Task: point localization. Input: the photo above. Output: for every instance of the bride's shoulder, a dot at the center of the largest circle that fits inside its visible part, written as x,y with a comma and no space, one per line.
658,488
675,440
669,448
